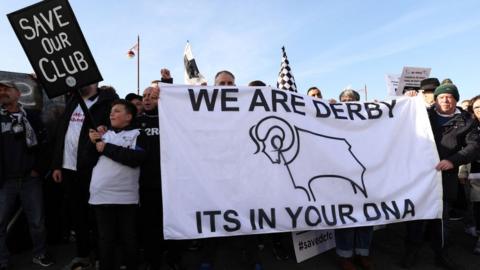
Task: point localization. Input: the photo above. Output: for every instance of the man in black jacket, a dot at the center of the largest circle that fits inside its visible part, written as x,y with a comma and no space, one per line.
151,209
457,140
73,161
22,136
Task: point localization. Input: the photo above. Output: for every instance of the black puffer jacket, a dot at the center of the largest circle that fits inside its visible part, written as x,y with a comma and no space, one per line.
457,141
100,111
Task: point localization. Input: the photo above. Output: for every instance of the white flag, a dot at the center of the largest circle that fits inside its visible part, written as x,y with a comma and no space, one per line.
192,74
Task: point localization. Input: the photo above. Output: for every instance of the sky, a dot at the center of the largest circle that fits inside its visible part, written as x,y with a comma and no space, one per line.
330,44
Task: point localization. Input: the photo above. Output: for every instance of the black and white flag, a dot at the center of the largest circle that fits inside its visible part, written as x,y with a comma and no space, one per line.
192,74
285,80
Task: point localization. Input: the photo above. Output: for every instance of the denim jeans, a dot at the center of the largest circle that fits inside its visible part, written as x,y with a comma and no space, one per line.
30,191
353,239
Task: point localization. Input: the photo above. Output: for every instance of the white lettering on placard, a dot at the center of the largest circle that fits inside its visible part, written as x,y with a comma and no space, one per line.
71,65
43,24
40,64
58,17
82,64
27,28
55,44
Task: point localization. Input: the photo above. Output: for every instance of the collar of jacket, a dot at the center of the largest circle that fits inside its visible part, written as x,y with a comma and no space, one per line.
151,113
129,127
92,98
457,111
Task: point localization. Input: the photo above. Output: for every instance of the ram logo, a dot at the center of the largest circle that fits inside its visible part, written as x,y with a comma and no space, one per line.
283,144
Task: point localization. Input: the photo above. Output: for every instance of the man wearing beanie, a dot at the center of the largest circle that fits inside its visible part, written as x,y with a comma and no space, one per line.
456,138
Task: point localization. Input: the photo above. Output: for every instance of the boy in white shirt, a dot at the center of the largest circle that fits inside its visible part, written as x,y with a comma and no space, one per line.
114,184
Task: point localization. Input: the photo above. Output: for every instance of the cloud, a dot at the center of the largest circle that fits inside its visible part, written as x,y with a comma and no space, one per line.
400,35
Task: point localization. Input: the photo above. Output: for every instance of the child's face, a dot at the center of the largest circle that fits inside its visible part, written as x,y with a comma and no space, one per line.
119,117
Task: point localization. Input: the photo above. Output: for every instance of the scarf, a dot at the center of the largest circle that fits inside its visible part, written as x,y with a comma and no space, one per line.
30,137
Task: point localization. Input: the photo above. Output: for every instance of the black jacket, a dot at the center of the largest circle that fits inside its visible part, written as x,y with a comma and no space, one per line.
457,141
100,112
150,176
32,158
150,172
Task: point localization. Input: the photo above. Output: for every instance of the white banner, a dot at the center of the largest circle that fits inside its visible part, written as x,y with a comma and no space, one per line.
309,244
255,160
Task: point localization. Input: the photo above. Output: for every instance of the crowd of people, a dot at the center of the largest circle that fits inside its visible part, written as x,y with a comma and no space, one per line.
108,168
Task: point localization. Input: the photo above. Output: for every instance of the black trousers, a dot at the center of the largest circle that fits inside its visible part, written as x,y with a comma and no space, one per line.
434,229
476,214
151,230
77,186
117,225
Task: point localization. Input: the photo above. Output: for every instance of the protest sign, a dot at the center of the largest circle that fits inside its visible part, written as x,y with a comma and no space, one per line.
55,46
392,84
308,244
411,78
259,160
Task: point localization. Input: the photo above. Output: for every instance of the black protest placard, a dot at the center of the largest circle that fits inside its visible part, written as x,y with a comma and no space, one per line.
55,46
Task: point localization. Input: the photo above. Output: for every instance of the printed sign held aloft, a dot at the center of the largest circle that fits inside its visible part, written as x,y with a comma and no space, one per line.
55,46
411,78
392,84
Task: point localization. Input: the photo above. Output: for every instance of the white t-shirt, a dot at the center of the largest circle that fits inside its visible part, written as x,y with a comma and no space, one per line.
70,149
113,182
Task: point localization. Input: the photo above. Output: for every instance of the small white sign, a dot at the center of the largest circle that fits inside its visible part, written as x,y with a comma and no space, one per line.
411,77
392,83
308,244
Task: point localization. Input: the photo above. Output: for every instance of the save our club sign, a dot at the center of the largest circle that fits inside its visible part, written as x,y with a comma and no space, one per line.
55,46
259,160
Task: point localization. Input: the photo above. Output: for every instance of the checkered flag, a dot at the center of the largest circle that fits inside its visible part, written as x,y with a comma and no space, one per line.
285,80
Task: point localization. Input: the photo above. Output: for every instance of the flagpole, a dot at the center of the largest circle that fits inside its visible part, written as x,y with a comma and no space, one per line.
138,65
366,97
